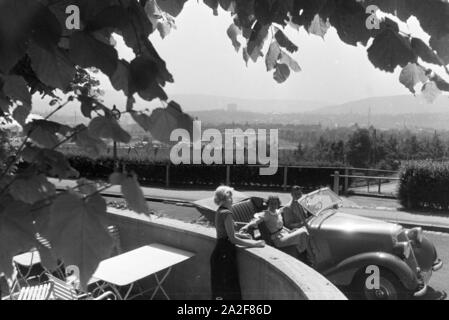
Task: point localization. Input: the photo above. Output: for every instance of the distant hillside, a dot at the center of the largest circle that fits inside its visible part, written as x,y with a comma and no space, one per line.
404,104
197,102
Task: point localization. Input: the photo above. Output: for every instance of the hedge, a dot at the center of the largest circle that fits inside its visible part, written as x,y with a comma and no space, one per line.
205,176
424,185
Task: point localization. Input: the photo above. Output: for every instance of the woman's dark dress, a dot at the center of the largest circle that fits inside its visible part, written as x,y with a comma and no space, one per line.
224,271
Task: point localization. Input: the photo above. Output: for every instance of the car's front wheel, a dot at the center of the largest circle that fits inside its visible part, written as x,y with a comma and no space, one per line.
389,287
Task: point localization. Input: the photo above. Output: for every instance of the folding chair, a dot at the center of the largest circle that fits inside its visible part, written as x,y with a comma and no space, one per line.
39,292
64,291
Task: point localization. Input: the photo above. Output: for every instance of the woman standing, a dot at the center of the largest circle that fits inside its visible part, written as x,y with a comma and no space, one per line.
224,271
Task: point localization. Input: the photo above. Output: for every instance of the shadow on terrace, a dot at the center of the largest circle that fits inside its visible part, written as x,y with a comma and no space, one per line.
169,259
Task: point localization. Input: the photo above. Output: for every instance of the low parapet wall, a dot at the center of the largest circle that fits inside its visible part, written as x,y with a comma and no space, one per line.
265,273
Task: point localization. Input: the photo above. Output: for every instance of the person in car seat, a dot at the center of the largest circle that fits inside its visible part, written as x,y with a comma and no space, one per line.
281,236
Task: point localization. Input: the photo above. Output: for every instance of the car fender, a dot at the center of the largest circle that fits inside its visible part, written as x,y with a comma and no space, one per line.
425,254
344,272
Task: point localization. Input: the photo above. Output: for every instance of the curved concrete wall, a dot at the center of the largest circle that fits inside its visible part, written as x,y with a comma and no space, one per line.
265,273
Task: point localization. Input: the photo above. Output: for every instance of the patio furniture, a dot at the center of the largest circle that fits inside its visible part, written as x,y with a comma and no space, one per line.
126,269
29,265
37,292
65,291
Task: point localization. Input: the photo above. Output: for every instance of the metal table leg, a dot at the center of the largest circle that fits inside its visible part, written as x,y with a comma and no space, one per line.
159,284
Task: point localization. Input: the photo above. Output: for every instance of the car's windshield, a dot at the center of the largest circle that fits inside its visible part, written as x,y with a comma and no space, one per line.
320,200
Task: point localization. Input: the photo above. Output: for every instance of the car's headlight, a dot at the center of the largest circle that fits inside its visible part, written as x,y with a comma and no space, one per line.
415,234
403,249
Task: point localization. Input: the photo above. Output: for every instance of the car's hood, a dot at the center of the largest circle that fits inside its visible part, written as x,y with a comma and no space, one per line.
340,221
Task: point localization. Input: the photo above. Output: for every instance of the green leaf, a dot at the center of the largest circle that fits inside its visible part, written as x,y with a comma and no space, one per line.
282,73
162,21
143,120
51,66
16,233
131,191
19,21
165,26
146,75
143,72
163,121
318,26
89,104
389,50
78,232
5,103
16,88
349,18
50,161
411,75
285,42
227,5
424,52
152,92
286,59
86,51
256,41
272,56
43,132
135,37
213,4
441,45
442,84
108,128
91,144
233,32
430,91
32,189
21,113
120,78
173,7
245,56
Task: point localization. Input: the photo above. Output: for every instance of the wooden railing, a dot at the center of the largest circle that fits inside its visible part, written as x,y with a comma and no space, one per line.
379,179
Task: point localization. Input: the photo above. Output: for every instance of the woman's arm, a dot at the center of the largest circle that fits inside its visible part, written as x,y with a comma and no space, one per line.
229,225
253,223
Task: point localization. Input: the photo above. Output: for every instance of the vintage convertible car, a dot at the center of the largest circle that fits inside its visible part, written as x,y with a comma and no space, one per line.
351,250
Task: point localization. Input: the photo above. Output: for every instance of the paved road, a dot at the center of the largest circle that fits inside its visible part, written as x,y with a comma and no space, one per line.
439,284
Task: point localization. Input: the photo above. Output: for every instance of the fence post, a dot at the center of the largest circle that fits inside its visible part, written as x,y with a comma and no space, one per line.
336,182
380,183
284,186
346,186
167,175
228,175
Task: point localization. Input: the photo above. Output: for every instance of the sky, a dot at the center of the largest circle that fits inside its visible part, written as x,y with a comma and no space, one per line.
203,61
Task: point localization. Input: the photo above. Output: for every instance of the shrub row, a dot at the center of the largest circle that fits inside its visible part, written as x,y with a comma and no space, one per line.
202,176
424,185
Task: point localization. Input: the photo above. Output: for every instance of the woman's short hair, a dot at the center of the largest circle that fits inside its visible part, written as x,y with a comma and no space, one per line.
272,199
221,194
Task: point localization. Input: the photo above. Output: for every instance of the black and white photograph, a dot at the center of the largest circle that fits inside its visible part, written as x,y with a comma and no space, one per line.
212,152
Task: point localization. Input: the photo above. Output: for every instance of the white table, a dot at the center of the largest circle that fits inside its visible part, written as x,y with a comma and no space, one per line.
129,267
